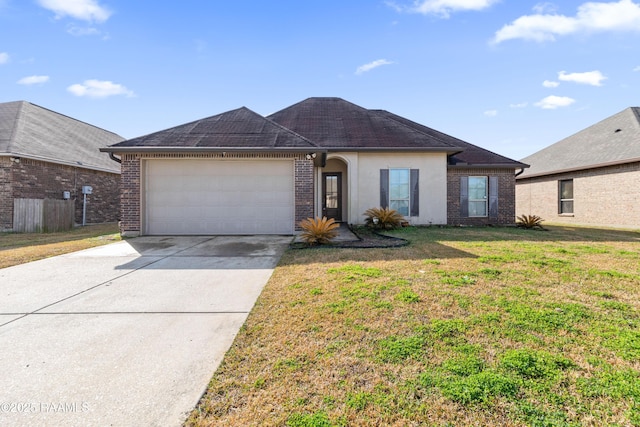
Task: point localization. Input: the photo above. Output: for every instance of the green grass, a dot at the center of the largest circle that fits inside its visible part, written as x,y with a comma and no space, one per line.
20,248
462,327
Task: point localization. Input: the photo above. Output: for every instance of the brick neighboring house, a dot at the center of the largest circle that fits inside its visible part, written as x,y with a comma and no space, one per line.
43,153
241,173
590,178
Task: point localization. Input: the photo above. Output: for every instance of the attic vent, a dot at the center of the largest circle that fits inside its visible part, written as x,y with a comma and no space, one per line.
617,130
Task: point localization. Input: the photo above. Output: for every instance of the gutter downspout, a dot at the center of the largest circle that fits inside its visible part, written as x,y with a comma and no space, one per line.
117,160
519,173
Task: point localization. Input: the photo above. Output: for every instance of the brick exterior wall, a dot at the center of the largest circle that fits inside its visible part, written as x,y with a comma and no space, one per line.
607,197
303,190
131,203
506,196
6,199
34,179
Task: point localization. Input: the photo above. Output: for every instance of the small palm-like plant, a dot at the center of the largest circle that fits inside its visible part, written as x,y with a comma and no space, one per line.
318,231
383,218
529,221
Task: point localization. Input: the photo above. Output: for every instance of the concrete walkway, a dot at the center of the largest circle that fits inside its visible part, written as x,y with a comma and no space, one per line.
127,334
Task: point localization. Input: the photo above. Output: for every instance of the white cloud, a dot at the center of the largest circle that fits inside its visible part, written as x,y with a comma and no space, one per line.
552,102
4,57
85,10
74,30
491,113
637,68
444,8
33,80
623,15
549,83
371,65
593,78
520,105
547,7
99,89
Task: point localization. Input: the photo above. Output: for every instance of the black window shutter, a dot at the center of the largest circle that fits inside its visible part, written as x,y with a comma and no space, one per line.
493,197
415,193
384,188
464,196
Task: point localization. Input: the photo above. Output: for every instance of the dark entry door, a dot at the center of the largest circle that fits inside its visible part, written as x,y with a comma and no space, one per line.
332,195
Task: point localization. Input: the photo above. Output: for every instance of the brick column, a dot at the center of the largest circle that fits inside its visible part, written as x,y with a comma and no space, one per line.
6,195
130,195
303,190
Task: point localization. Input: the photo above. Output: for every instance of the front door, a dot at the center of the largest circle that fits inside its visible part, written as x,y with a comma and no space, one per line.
332,195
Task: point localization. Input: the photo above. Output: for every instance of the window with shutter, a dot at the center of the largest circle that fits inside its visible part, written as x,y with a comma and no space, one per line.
479,196
400,190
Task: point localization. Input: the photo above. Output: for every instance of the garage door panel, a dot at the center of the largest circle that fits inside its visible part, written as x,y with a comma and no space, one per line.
219,197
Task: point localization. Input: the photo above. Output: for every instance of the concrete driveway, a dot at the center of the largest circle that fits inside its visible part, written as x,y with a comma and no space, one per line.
127,334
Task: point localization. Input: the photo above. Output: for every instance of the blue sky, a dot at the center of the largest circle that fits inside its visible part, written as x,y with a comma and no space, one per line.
512,76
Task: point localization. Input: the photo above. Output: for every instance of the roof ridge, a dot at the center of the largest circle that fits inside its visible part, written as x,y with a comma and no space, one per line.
591,126
287,129
377,111
193,124
636,112
611,140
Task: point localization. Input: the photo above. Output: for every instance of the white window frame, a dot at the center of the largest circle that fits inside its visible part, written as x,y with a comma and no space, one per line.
408,184
561,200
484,200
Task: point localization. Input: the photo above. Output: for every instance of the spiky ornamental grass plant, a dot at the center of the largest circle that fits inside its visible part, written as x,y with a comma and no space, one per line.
529,221
383,218
318,231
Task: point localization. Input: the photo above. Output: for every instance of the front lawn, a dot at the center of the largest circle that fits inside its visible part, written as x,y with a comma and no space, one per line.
464,326
19,248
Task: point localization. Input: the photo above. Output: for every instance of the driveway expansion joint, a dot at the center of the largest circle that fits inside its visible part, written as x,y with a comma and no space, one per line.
106,282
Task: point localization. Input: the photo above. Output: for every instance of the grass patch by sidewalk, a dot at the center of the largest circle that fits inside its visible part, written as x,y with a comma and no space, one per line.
20,248
463,327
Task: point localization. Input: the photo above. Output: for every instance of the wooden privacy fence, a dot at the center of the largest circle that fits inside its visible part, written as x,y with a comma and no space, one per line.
42,215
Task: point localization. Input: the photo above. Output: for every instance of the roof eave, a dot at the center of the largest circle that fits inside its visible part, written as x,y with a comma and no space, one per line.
581,168
158,149
488,165
448,151
61,162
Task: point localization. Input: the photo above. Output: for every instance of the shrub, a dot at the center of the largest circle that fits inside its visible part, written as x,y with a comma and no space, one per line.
529,221
318,231
383,218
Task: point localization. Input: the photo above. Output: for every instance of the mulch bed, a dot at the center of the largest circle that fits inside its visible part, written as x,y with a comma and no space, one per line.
367,238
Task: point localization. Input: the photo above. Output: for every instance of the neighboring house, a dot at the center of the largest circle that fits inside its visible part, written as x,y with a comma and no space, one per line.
590,178
241,173
44,153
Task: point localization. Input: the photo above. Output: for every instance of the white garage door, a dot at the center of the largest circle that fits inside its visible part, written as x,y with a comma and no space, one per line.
219,197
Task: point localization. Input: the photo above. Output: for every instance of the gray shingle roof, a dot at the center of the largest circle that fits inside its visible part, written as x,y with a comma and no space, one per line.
471,155
336,124
330,124
614,140
240,129
30,131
